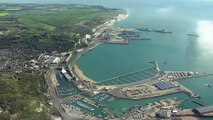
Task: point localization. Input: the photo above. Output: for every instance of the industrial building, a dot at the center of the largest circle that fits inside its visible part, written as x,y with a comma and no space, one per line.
164,85
56,60
203,110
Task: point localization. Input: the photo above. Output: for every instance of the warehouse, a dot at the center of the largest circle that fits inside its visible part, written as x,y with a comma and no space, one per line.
164,85
203,110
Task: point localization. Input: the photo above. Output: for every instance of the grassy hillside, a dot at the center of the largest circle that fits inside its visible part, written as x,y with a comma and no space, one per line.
77,17
21,96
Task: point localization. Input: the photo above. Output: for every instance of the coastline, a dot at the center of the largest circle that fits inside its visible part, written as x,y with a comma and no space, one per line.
81,74
93,44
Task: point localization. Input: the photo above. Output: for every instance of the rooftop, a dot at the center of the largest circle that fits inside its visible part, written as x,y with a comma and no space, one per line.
203,109
164,85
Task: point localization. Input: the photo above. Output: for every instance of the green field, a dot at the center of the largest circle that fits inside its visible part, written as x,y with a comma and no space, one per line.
3,14
42,27
47,18
35,26
13,8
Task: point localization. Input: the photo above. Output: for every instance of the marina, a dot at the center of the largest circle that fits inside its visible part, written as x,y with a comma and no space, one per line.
88,108
103,97
65,87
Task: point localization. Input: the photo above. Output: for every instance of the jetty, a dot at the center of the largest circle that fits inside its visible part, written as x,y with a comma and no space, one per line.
198,102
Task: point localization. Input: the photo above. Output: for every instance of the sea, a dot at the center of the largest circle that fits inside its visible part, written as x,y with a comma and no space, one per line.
176,51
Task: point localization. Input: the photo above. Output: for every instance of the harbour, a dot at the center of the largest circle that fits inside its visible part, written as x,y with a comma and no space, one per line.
180,58
152,60
108,65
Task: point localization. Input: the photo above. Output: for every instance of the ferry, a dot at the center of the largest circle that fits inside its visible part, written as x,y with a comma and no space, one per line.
194,35
162,31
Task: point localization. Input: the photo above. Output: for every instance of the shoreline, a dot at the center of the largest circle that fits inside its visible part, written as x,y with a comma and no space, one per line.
94,44
81,74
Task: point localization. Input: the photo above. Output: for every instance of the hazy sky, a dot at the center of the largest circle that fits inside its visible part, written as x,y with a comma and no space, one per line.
70,1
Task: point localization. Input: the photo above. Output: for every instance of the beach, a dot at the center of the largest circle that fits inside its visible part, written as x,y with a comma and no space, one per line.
81,75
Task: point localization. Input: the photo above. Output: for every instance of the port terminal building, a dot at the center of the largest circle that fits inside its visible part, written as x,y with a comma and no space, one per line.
203,110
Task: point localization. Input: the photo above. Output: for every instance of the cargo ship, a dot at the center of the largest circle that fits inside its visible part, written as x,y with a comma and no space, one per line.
162,31
194,35
144,29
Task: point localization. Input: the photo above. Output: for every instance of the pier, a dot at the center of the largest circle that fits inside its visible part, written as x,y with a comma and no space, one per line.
198,102
156,65
185,90
88,107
